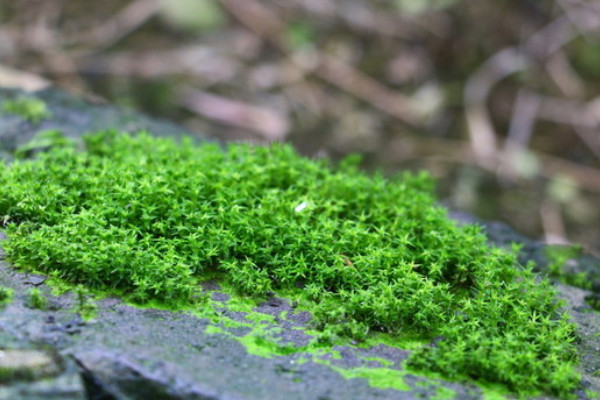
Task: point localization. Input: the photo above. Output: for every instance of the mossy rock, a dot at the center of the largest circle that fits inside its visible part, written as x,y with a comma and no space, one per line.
72,117
247,319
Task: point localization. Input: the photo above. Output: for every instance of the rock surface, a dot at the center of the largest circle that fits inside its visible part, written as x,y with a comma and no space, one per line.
132,353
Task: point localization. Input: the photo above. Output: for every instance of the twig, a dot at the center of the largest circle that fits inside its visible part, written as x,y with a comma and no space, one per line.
570,112
553,223
564,76
462,153
539,46
203,63
266,24
270,124
520,131
10,77
360,85
591,138
125,22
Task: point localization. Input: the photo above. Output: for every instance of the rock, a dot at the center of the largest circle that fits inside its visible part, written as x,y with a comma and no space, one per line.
30,373
63,387
128,353
122,378
27,364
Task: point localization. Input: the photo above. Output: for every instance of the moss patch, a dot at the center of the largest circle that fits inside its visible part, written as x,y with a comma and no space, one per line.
6,295
84,305
260,338
36,299
558,256
28,108
383,378
150,219
43,140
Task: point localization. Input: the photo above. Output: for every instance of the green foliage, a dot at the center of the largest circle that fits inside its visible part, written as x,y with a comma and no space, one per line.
43,140
6,295
36,299
558,256
149,219
30,109
85,306
592,394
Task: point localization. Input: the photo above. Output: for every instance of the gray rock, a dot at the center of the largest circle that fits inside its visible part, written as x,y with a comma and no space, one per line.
63,387
28,364
28,372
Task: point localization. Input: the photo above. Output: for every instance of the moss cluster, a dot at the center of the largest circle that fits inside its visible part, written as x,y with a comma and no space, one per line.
6,295
558,257
28,108
36,299
84,305
149,219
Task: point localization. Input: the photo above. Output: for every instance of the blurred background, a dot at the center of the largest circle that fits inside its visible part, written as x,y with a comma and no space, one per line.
499,100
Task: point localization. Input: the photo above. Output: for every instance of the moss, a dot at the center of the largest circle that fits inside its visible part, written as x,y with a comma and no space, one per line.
36,299
592,394
558,256
593,301
43,140
383,378
150,219
84,305
444,394
28,108
6,295
379,360
259,340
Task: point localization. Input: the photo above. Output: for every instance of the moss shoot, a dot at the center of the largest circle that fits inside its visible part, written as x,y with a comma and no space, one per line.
149,219
36,299
28,108
6,295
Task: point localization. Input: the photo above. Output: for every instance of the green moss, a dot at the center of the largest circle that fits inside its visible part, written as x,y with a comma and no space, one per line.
383,378
494,392
6,295
558,256
259,341
43,140
592,394
402,340
381,361
444,394
150,219
84,305
36,299
28,108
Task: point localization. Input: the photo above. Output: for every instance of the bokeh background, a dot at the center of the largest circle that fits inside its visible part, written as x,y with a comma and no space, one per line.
500,100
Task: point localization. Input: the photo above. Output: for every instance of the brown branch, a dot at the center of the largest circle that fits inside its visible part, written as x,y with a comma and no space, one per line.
461,152
133,16
553,223
270,124
267,25
10,77
542,44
